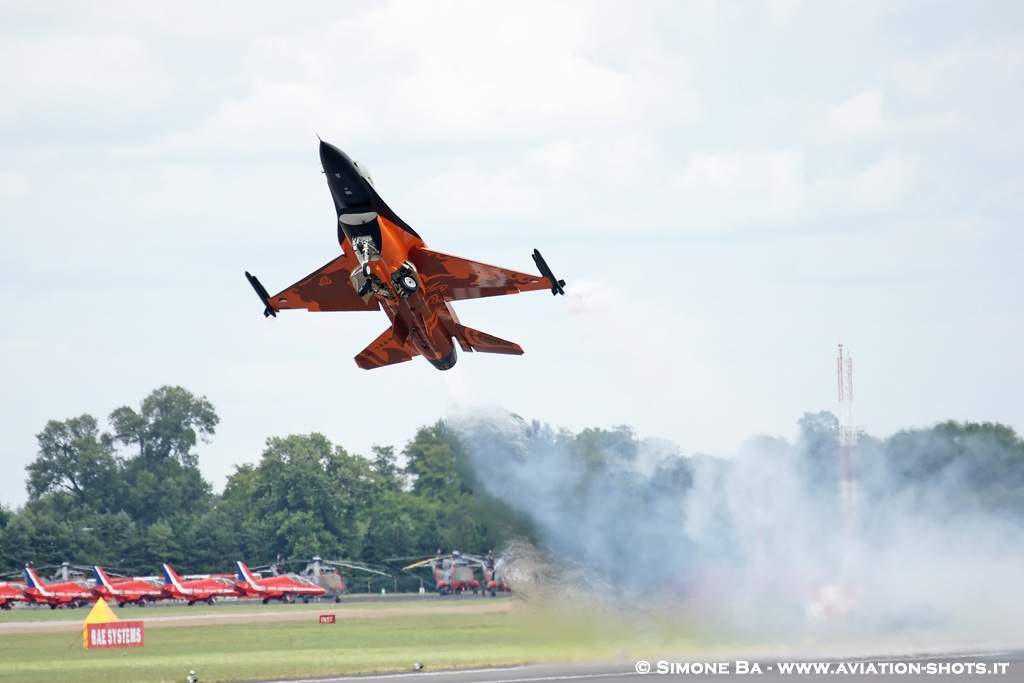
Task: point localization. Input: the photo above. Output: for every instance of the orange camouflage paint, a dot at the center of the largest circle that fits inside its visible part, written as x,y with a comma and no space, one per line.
385,265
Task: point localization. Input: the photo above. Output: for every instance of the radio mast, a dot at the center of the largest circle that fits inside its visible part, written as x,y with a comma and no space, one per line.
847,440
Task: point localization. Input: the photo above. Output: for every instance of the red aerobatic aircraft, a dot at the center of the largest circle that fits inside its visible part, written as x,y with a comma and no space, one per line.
385,264
137,591
70,593
11,592
197,590
284,587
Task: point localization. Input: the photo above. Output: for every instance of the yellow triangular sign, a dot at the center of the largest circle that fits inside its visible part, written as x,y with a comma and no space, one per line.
100,614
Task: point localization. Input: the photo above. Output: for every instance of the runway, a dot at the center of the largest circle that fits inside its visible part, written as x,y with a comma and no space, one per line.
1006,665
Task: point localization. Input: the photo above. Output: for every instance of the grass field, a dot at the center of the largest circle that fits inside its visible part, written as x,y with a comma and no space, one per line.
444,637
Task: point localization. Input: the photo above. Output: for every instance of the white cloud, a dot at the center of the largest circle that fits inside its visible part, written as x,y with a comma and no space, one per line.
12,184
723,189
968,58
112,76
458,70
861,115
469,191
882,183
560,158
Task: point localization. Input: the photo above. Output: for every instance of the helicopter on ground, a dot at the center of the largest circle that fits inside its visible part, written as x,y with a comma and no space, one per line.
494,572
324,573
452,573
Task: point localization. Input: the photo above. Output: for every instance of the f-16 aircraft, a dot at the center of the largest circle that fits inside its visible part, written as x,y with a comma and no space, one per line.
134,591
70,593
11,592
385,264
197,590
284,587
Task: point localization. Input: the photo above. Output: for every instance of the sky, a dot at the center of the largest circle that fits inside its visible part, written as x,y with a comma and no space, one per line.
730,190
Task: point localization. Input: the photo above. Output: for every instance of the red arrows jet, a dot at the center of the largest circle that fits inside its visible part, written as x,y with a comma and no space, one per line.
70,593
137,591
284,587
197,590
385,264
11,592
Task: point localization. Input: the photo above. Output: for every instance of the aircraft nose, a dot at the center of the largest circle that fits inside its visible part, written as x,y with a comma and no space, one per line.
333,158
348,188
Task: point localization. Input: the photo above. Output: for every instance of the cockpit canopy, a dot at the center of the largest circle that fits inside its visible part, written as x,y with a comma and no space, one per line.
365,173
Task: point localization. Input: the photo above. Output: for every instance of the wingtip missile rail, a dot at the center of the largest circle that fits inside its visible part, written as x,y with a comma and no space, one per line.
545,270
262,293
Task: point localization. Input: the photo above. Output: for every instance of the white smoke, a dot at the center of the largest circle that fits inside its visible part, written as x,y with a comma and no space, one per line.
751,544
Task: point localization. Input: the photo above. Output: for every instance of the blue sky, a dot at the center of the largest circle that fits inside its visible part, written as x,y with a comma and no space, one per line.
730,189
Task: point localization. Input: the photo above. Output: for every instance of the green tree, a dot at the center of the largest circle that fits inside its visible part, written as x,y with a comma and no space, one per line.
385,464
163,489
50,537
467,517
169,423
818,449
74,458
956,467
433,463
401,524
161,543
304,497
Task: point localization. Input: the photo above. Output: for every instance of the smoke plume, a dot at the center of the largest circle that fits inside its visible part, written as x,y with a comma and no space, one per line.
762,543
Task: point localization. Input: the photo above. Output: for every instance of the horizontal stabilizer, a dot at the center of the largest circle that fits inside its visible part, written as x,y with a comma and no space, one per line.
387,349
475,340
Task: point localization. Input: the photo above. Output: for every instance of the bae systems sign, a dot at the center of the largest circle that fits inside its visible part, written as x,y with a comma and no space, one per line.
116,634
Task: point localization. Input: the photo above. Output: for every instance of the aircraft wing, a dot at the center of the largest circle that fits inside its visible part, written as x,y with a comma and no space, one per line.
458,278
326,289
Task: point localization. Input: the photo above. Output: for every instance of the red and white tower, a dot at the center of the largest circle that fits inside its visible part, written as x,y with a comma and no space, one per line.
847,440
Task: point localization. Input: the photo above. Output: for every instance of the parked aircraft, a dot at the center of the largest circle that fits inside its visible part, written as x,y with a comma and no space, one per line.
125,591
197,590
494,572
284,587
452,573
325,573
11,592
385,264
70,593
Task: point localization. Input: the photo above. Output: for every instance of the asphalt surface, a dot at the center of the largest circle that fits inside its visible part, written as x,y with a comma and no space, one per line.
996,666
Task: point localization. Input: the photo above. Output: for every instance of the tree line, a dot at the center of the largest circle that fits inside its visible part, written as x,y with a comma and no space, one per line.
132,496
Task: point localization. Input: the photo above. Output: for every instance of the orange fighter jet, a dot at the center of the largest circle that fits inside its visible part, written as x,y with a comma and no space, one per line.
385,264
